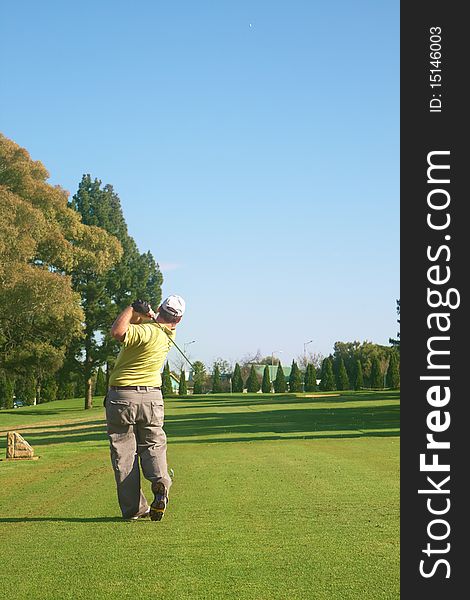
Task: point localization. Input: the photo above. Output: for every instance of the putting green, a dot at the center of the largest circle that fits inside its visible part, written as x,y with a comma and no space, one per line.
288,497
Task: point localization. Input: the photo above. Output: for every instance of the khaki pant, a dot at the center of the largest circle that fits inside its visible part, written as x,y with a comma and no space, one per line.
135,430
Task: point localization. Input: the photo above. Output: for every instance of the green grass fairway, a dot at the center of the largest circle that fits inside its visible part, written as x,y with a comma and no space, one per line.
275,496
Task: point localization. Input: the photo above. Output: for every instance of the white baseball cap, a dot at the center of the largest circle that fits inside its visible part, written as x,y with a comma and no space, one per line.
175,305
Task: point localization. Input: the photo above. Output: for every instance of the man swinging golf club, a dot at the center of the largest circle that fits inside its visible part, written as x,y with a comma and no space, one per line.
134,405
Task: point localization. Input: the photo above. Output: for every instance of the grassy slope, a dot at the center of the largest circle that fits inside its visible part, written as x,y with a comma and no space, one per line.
274,497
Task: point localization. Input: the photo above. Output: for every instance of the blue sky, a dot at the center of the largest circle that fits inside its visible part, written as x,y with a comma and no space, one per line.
254,146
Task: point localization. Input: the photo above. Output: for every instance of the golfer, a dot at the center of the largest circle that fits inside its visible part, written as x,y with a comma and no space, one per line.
134,405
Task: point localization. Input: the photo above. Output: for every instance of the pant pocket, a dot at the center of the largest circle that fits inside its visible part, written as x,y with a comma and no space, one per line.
118,412
158,413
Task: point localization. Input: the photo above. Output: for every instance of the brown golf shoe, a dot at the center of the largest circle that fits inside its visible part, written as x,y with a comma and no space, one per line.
159,504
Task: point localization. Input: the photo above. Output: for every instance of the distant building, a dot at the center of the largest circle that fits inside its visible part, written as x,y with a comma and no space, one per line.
175,382
259,369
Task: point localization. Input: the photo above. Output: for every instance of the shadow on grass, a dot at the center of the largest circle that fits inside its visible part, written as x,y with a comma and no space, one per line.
221,400
38,413
317,422
62,426
298,422
82,431
300,436
62,519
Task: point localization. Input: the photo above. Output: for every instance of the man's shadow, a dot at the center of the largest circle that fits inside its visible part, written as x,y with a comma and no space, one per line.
61,519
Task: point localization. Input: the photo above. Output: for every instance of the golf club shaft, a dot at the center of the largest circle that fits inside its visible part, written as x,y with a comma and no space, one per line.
173,342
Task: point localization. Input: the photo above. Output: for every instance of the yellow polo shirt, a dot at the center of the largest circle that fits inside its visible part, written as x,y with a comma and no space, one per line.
142,355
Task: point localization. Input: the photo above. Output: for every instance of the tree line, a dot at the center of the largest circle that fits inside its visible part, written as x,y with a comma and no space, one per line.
67,268
352,366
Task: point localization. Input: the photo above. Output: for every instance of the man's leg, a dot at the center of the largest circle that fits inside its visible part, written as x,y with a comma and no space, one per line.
151,447
120,416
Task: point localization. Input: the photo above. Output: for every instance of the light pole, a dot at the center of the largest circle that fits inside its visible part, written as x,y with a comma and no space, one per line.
305,351
187,344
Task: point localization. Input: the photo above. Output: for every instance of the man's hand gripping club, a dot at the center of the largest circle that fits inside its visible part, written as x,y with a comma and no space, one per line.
139,312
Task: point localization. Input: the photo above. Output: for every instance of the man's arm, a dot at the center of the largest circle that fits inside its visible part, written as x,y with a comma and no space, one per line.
121,324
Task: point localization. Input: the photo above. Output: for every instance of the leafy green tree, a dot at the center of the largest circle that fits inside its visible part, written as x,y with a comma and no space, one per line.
182,389
237,381
100,386
225,372
327,382
252,383
366,353
66,389
349,353
25,388
135,275
342,379
6,390
376,380
49,389
280,383
216,381
167,388
43,243
310,380
358,380
199,377
266,383
295,378
393,373
69,381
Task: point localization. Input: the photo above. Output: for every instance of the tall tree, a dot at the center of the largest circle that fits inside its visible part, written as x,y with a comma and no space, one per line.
310,381
216,382
167,388
25,388
135,275
237,381
266,383
393,373
43,242
376,379
342,379
280,383
182,388
348,352
327,382
49,389
295,378
199,377
6,390
252,383
358,380
100,386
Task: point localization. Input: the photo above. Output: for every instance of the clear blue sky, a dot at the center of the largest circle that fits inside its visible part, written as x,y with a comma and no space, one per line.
254,146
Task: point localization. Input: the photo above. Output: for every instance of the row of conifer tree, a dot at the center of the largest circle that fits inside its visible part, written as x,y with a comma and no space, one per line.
331,377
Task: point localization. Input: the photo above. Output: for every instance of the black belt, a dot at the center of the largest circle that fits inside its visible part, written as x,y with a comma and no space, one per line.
137,388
